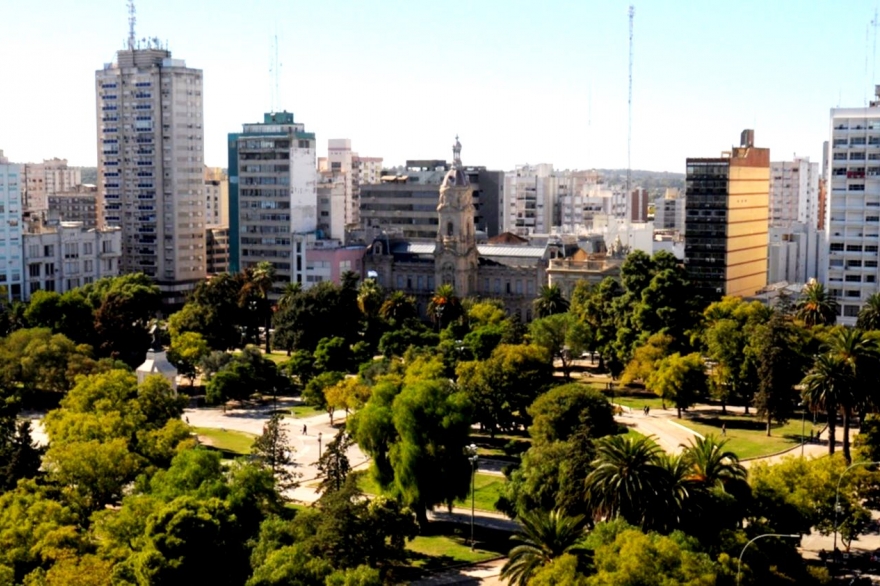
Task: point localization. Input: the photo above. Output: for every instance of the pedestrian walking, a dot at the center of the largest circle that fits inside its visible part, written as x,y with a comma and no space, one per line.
723,429
186,418
304,428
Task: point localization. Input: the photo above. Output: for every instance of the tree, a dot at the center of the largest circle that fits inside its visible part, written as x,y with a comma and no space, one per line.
646,358
710,464
445,307
323,311
594,307
124,307
816,306
370,298
260,279
544,537
213,310
20,457
350,394
869,314
314,394
398,308
562,336
332,354
333,465
229,384
550,301
502,387
779,369
273,451
562,411
627,480
416,438
186,352
680,379
826,386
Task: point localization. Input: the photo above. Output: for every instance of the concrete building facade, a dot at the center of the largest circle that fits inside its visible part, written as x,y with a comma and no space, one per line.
69,255
11,254
216,197
151,164
726,227
852,218
794,192
273,196
217,239
637,205
79,204
43,180
669,212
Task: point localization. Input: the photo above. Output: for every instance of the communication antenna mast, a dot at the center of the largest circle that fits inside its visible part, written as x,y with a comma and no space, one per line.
274,72
132,19
874,54
632,14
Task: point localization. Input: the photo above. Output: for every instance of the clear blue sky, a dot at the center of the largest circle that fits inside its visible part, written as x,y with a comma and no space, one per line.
521,82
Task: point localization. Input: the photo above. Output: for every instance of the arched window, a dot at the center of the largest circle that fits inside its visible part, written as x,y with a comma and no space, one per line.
450,229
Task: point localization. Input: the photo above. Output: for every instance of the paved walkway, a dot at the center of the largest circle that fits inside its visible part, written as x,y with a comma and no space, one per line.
672,434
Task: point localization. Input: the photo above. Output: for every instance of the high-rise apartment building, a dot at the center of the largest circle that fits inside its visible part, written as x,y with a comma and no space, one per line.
10,228
794,192
852,218
727,219
273,196
79,204
151,164
216,197
669,211
43,180
637,208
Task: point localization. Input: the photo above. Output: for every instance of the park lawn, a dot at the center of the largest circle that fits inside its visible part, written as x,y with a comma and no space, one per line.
277,357
488,488
235,442
637,402
300,411
747,435
437,551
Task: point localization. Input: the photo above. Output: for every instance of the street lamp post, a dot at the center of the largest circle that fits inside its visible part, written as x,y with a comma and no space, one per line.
740,561
319,445
803,428
471,451
837,494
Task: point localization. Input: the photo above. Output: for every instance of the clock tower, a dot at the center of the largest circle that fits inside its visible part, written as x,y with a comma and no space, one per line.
455,256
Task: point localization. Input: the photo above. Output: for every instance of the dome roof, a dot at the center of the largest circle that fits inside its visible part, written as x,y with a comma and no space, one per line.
456,177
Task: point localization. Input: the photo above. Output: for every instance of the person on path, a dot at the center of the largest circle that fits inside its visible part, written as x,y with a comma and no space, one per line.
723,429
304,429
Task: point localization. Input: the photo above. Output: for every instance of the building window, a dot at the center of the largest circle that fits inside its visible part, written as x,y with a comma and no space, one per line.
530,289
49,269
34,271
851,310
49,250
450,229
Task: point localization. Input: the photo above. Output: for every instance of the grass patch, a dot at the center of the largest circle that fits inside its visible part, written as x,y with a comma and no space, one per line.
637,402
277,356
502,446
300,411
488,489
747,435
449,544
235,443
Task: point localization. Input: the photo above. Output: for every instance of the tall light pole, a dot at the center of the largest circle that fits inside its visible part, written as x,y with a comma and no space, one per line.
319,445
740,561
837,494
471,452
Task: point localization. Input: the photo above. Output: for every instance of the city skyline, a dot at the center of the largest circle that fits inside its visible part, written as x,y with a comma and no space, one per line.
519,83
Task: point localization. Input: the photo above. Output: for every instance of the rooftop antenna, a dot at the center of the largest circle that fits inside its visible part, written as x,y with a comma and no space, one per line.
132,19
874,54
274,67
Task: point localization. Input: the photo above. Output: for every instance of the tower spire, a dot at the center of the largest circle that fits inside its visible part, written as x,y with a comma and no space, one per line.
456,153
132,19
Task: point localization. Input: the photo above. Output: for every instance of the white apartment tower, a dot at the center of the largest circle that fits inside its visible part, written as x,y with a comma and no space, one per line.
10,229
794,192
151,164
852,219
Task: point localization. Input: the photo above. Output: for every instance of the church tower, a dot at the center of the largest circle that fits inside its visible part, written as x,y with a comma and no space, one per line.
455,256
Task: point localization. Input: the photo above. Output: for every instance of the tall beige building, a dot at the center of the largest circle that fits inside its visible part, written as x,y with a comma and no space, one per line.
216,197
727,220
42,180
151,164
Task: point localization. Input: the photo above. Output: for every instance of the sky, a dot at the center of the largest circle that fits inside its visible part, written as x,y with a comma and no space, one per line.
519,81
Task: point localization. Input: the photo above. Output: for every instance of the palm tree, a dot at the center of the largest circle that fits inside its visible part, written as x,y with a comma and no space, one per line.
543,538
859,353
815,306
444,306
370,298
825,389
398,307
550,301
869,315
260,279
289,294
710,464
678,487
627,479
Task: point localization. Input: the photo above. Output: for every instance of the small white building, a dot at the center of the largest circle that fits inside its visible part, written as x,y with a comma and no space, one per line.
62,257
